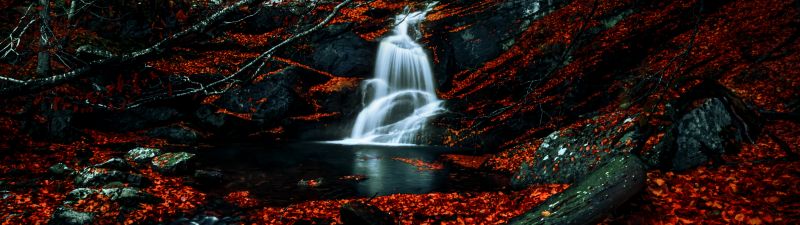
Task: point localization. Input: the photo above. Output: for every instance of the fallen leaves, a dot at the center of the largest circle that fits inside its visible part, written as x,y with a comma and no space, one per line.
421,165
466,161
433,208
241,199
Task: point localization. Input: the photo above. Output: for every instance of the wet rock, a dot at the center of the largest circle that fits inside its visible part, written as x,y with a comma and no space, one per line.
243,111
485,36
702,134
124,195
175,134
115,164
67,216
205,220
208,176
172,162
99,176
312,183
128,195
346,55
356,213
80,193
59,169
142,155
568,155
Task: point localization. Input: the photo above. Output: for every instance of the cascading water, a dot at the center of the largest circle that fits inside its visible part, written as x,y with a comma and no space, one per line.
401,97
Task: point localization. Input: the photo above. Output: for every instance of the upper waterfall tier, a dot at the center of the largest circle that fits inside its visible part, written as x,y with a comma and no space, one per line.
402,97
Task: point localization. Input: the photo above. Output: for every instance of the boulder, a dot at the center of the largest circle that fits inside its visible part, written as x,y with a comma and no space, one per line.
172,162
92,176
80,193
128,195
175,134
485,35
142,155
345,55
124,195
702,134
115,164
568,155
67,216
239,112
59,169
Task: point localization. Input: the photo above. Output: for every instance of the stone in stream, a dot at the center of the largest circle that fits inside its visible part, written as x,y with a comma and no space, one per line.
172,162
66,216
142,155
357,213
208,176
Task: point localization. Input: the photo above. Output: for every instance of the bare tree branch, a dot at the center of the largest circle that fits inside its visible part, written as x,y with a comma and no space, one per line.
208,89
15,36
38,84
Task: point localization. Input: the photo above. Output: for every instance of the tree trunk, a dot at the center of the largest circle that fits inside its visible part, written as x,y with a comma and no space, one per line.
588,200
43,66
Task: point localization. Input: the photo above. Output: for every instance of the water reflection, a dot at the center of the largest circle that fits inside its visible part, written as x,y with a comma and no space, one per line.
272,173
387,175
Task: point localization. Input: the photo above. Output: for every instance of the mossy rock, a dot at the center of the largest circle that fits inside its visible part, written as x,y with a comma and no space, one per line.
173,162
142,155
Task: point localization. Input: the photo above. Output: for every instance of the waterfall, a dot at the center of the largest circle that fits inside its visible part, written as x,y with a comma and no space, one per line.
401,98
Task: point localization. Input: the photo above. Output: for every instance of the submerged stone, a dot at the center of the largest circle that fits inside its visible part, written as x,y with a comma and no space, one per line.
208,176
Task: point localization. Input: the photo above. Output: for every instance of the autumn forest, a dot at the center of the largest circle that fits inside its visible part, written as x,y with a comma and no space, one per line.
382,112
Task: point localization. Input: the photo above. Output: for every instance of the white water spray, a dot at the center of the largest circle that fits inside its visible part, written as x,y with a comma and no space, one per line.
401,97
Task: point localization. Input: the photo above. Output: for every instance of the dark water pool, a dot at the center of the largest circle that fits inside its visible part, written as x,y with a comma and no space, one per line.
274,173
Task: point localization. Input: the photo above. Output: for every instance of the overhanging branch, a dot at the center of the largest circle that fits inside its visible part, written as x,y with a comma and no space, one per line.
38,84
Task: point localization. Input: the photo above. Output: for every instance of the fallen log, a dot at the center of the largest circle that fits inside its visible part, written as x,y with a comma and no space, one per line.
589,199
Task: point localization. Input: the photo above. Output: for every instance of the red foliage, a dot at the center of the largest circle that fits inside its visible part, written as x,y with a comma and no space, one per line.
421,165
434,208
466,161
241,199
